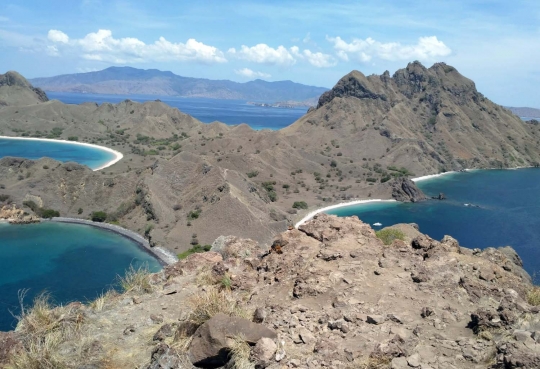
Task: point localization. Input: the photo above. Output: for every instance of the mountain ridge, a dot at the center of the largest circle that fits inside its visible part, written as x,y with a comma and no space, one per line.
128,80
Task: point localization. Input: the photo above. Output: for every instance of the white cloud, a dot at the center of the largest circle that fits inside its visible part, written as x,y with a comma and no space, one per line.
264,54
246,72
427,48
102,46
58,36
317,59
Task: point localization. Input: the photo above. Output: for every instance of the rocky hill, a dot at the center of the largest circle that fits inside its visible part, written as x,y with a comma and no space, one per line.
16,90
128,81
332,294
188,182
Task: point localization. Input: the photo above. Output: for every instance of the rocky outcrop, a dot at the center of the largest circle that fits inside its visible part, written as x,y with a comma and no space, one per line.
210,347
332,296
14,215
16,90
405,190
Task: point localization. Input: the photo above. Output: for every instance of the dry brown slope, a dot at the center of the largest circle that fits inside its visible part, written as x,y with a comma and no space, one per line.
15,90
426,120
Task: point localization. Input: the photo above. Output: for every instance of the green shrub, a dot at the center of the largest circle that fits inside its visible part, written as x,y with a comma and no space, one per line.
194,214
253,174
388,235
533,296
300,205
272,195
195,249
4,198
73,138
32,205
80,211
98,216
48,213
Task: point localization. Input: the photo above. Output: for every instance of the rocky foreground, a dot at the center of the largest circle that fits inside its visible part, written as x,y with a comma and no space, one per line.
330,294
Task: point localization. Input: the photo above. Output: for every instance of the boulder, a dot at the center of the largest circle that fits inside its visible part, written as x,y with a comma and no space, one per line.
405,190
211,342
263,352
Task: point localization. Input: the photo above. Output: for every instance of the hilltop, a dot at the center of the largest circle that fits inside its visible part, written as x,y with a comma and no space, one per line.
332,294
16,90
525,112
183,182
133,81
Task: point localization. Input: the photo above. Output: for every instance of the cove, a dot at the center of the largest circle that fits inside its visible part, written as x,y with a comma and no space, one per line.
483,208
94,156
72,262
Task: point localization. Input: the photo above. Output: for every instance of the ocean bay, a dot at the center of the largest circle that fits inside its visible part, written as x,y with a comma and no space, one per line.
71,262
483,208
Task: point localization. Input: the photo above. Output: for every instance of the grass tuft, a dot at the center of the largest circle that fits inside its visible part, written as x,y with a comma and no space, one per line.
388,235
137,280
533,296
239,354
213,301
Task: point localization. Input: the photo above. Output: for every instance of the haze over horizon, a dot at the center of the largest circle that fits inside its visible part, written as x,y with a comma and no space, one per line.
494,43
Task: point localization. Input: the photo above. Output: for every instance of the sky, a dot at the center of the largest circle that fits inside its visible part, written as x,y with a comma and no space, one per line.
495,43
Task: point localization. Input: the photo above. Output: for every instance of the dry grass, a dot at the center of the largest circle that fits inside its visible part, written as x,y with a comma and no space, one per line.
99,303
533,296
240,351
43,328
136,280
206,304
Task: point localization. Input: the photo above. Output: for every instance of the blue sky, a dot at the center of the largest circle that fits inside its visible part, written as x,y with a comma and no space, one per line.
495,43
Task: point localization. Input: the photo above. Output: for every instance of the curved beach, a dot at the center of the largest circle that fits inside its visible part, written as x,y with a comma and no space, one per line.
336,206
117,154
165,257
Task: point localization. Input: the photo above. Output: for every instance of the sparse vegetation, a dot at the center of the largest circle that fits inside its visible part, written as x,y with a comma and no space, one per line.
212,301
388,235
252,174
98,216
193,250
300,205
533,296
136,279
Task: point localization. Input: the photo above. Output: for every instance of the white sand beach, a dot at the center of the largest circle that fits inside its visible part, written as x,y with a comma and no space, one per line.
341,205
117,155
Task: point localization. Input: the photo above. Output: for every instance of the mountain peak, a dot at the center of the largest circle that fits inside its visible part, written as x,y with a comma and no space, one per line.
16,90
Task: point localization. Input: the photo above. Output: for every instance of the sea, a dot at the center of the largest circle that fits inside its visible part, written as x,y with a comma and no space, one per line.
483,208
62,151
68,261
231,112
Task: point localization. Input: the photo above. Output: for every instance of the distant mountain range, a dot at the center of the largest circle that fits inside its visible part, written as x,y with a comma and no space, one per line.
133,81
525,112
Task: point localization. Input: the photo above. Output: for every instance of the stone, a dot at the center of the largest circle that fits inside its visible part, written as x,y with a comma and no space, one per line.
520,335
375,319
210,344
130,329
165,331
263,352
307,337
164,357
414,360
259,315
399,363
156,319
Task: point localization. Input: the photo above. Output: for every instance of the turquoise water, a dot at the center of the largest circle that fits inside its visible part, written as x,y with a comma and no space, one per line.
72,262
504,209
33,149
206,110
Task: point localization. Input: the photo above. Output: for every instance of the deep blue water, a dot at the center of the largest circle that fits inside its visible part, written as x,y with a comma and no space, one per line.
70,261
206,110
508,212
33,149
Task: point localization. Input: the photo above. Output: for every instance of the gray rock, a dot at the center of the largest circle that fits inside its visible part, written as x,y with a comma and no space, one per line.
375,319
210,344
263,352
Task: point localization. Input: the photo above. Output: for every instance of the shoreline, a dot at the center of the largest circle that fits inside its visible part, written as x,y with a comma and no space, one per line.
337,206
163,256
417,179
117,154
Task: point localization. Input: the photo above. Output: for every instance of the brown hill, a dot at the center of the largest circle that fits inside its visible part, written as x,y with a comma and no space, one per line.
186,182
16,90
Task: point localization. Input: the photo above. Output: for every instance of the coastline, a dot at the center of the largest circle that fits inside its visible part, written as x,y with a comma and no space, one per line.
164,257
117,154
337,206
417,179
